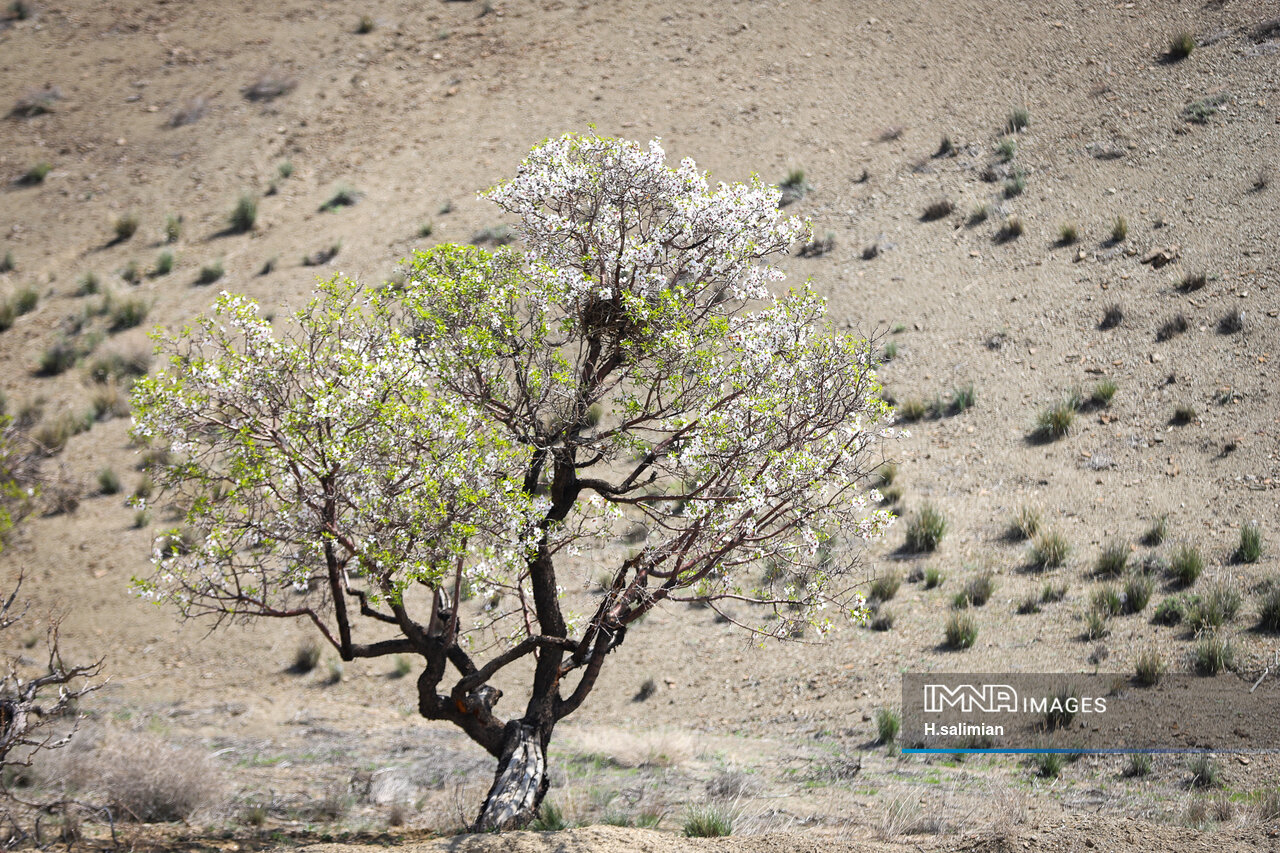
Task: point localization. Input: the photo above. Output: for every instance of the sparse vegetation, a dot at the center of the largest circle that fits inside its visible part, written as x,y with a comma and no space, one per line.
1204,771
1106,599
1231,323
1102,393
1249,547
343,196
888,722
25,300
1113,560
1200,111
1215,607
1158,532
1049,550
109,482
1193,281
164,264
978,589
1007,148
128,313
1137,593
794,187
7,263
1096,623
306,658
1111,317
882,619
912,409
1049,764
1019,120
1269,606
938,210
1068,234
365,25
1213,654
1139,765
36,174
269,85
244,214
1170,611
926,529
933,577
979,214
209,273
1171,328
1183,414
962,399
1025,523
1016,184
1029,604
1012,229
125,227
1186,564
1149,668
708,821
884,587
172,229
1181,45
1055,421
1119,230
961,630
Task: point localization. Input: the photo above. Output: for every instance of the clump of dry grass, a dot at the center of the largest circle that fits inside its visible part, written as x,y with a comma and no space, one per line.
142,776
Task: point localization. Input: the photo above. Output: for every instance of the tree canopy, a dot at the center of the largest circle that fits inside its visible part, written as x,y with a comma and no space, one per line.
389,453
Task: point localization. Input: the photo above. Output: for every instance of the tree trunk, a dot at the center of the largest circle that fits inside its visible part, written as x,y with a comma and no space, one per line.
520,782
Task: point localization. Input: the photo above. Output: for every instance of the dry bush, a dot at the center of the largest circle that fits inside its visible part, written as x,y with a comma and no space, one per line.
140,776
270,85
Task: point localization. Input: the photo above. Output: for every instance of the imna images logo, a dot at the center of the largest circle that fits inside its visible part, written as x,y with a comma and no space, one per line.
970,698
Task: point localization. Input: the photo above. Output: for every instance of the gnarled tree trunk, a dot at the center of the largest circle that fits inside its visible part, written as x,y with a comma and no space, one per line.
520,782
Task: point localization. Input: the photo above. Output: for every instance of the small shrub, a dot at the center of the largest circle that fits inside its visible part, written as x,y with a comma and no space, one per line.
335,673
1193,281
1113,560
946,148
1139,765
961,630
1103,392
962,399
1215,607
938,210
306,658
131,274
794,187
269,85
1171,611
1119,230
926,529
191,111
1137,593
1055,421
1158,532
172,229
59,357
36,102
209,273
109,482
1051,593
125,227
164,264
244,214
979,214
1231,323
320,257
1025,523
1171,328
1068,234
1049,764
26,300
912,409
343,196
978,590
7,263
1016,185
1183,414
1149,668
1012,229
1204,771
365,25
128,314
1269,607
1181,46
1019,120
1212,655
888,722
1113,316
1049,550
1186,564
933,578
885,586
1096,624
402,667
1007,148
1249,548
1030,604
815,248
1107,599
35,175
708,821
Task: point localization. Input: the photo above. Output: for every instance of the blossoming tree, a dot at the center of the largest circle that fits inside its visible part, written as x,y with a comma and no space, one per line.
391,454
